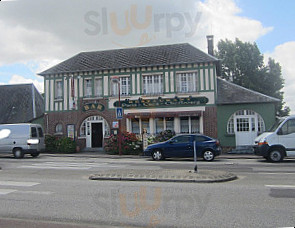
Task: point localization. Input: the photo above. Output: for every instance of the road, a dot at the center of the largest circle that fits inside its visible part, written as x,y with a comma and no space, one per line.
54,191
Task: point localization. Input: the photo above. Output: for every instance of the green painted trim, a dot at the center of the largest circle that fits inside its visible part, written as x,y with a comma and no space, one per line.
204,79
136,83
92,85
209,78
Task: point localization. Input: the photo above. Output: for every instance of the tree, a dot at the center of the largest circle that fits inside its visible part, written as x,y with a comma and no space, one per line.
243,64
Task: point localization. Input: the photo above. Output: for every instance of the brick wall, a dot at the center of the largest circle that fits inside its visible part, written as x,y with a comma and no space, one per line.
210,122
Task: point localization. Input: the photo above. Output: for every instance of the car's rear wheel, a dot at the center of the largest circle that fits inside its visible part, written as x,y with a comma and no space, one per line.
157,155
18,153
35,155
208,155
275,155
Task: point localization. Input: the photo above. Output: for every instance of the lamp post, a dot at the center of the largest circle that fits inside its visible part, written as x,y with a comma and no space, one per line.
117,81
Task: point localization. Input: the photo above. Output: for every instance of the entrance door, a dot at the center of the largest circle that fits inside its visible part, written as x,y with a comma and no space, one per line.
246,130
96,135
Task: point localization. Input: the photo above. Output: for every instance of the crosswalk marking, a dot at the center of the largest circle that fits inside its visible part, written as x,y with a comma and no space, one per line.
6,191
18,184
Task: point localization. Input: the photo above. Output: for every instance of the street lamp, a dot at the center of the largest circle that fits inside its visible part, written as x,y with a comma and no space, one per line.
117,81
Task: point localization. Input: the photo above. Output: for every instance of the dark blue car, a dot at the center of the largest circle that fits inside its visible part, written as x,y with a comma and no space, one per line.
183,146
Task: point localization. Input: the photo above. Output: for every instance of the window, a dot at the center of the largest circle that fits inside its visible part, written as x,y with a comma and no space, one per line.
182,139
58,90
159,125
145,125
124,83
40,131
169,123
184,126
200,138
135,126
189,124
187,82
88,87
98,87
34,132
288,127
153,84
58,128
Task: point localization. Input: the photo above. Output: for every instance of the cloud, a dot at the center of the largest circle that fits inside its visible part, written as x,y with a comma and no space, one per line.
17,79
285,55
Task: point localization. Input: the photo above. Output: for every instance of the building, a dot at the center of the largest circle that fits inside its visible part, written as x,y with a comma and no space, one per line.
162,87
20,103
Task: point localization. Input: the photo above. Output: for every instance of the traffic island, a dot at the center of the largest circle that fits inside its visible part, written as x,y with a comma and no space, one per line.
165,175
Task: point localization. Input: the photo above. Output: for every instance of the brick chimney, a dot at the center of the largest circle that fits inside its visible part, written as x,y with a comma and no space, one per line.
210,45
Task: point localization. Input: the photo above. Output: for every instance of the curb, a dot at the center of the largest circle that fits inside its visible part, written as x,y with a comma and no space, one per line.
182,176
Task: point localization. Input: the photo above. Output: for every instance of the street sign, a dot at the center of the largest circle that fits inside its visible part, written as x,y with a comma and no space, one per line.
119,113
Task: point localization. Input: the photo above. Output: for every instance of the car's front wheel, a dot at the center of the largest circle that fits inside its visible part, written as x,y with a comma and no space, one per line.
275,155
157,155
208,155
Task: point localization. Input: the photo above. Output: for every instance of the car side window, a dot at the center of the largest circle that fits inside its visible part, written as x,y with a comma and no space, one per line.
288,127
182,139
200,138
40,131
34,132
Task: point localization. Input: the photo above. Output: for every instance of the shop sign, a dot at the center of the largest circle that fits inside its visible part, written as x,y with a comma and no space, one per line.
176,101
93,106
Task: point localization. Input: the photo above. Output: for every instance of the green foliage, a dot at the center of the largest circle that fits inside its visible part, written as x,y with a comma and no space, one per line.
243,64
59,145
161,137
130,144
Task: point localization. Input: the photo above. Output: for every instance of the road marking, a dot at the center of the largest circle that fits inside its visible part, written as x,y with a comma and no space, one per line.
6,191
18,184
276,173
280,186
70,165
35,192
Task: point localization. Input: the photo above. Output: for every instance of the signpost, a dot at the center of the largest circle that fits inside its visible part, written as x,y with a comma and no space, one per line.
119,113
195,157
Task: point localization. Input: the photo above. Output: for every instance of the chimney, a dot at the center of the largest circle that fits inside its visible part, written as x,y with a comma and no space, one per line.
210,45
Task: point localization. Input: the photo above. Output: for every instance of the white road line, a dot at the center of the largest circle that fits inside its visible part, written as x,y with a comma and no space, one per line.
280,186
276,173
18,184
35,192
6,191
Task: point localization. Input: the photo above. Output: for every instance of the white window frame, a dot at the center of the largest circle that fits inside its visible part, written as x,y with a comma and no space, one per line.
125,87
152,84
98,85
189,125
58,89
187,82
88,87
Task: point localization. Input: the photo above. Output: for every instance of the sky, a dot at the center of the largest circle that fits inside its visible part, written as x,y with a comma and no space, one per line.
36,35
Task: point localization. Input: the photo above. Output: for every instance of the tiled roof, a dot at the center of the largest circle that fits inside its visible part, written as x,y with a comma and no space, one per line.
131,57
16,104
230,93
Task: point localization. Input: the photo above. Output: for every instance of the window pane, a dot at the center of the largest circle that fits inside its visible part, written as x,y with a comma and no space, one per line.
145,125
184,125
169,123
182,139
159,122
195,124
187,82
34,132
135,126
40,131
153,84
58,90
98,87
88,88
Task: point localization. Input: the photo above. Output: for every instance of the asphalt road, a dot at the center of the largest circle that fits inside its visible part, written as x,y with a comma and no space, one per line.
54,191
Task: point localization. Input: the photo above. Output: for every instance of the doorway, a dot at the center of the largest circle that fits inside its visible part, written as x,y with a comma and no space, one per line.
96,135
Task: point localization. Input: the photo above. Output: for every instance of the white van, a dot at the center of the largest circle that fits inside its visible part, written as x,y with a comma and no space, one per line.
21,139
279,142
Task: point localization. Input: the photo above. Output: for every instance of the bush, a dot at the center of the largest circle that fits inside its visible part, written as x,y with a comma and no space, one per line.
130,144
59,145
161,137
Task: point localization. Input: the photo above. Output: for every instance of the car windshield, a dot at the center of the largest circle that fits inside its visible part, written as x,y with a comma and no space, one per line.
276,124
